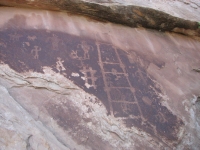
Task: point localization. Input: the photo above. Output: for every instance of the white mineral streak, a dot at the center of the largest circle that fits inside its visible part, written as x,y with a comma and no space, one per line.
105,126
75,74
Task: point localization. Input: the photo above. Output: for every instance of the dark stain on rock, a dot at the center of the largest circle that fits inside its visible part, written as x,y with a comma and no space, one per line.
123,85
66,115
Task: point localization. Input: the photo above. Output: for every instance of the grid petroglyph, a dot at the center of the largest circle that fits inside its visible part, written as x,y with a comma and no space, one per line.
112,75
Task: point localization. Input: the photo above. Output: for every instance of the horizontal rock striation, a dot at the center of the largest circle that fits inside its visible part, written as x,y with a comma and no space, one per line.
129,15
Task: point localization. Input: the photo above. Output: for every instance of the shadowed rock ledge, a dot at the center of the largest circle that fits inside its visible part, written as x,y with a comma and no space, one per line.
129,15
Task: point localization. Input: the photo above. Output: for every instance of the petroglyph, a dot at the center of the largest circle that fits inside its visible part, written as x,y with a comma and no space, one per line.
15,36
55,41
160,117
89,75
59,64
86,48
114,72
35,52
74,54
32,38
120,81
25,44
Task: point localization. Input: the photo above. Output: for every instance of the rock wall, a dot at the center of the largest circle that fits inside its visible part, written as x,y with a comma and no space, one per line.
177,17
70,82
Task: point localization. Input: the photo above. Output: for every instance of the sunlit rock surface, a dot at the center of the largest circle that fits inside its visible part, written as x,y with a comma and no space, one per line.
69,82
169,15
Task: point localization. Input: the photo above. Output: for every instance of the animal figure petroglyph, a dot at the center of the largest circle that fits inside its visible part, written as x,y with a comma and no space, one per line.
35,51
32,38
15,37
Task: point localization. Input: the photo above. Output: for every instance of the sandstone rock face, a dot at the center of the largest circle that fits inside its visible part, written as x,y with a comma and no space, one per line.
69,82
183,19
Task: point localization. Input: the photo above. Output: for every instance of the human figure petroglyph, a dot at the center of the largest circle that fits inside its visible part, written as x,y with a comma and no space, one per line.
15,37
32,38
59,64
114,72
35,51
92,77
86,48
55,41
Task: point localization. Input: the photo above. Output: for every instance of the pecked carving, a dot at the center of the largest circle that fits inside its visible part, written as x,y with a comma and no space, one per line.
119,81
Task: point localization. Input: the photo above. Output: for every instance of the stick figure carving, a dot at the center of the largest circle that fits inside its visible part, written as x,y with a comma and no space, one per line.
55,41
86,48
59,64
91,77
35,51
114,72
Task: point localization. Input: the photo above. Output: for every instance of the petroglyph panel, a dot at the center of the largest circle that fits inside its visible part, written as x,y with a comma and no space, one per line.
101,69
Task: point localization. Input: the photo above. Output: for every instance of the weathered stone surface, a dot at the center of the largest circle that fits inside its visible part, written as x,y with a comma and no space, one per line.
131,13
89,85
